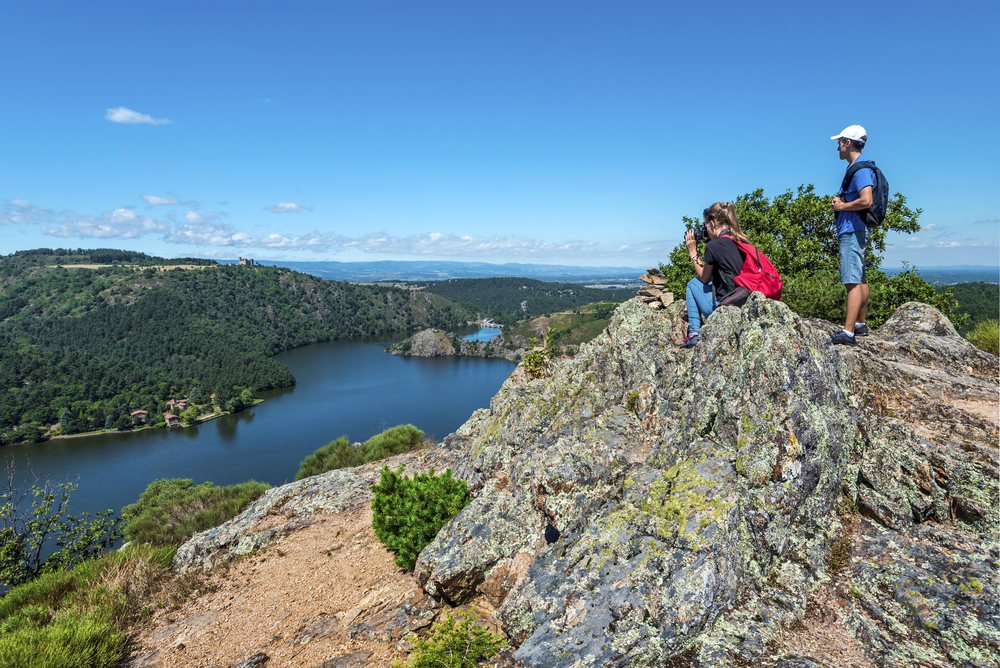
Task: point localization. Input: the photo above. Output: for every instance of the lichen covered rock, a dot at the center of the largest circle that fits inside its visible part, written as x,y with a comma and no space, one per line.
696,495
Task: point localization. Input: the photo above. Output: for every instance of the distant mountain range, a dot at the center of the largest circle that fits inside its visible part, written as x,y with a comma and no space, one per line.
391,270
955,274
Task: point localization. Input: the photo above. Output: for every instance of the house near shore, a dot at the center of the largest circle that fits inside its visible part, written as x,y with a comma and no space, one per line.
177,404
140,417
172,420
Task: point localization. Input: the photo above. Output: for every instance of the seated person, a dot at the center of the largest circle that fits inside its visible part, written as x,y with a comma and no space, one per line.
714,286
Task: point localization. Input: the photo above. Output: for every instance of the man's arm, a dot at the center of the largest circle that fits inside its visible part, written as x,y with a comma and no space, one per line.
863,201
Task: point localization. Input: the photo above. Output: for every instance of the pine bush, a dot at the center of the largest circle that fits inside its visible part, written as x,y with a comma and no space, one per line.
455,643
407,513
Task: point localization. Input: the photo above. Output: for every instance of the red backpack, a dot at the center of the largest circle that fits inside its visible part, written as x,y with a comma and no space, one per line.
758,274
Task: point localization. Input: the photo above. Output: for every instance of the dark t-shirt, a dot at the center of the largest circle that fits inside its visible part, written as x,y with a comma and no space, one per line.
727,261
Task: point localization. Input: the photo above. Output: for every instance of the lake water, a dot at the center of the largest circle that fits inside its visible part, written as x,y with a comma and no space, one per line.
351,388
484,334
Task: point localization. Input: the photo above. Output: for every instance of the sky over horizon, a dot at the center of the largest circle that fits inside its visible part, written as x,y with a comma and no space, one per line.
573,133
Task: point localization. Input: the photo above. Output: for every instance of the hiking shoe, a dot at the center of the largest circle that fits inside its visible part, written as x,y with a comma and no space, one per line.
690,342
843,339
861,330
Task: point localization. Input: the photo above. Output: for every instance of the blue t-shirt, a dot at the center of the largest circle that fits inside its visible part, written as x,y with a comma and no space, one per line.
850,221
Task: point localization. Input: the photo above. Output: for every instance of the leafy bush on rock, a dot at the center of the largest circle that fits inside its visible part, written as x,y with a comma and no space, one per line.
454,643
341,454
407,513
171,510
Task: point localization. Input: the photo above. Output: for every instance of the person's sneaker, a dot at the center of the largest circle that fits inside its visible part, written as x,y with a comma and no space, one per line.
843,338
861,330
690,342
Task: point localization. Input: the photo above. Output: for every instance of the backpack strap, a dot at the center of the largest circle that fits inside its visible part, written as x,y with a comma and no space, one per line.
760,267
852,170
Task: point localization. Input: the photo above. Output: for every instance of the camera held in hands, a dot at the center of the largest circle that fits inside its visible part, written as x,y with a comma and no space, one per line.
701,234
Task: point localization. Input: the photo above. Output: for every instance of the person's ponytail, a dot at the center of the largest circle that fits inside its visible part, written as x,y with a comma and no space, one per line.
724,214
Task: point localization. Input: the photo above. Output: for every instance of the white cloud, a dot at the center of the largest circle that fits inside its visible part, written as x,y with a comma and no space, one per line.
914,239
932,226
951,244
117,224
284,207
917,246
435,243
209,229
19,211
987,221
153,200
126,115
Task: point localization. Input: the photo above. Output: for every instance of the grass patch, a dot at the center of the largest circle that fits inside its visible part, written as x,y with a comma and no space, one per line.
341,454
170,511
81,617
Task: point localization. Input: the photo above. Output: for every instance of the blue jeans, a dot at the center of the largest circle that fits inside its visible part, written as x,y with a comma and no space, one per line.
699,302
852,256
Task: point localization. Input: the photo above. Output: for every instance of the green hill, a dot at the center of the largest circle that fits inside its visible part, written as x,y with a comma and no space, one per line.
81,345
508,300
981,301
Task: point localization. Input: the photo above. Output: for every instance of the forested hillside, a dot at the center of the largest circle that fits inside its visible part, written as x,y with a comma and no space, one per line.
50,257
508,300
86,346
981,301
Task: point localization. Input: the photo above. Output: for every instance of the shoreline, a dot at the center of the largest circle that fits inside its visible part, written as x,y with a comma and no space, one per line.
101,432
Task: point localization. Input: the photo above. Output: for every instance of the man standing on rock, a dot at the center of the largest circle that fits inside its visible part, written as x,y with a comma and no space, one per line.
853,235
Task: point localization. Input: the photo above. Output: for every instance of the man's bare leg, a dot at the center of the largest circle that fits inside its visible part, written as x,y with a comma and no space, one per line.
857,304
863,311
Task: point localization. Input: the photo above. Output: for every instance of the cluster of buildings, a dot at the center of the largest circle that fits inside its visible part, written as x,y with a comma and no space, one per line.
140,416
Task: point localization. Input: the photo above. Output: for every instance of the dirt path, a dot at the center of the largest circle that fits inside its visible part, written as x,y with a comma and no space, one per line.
334,569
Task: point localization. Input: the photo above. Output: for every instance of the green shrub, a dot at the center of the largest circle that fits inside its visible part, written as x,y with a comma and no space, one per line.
170,511
395,441
455,643
25,530
341,454
407,513
80,617
986,336
336,454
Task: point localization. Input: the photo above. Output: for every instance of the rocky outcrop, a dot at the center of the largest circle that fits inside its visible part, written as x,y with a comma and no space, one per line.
437,343
697,496
643,505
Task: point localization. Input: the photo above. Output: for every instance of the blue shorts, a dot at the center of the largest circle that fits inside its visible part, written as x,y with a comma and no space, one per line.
852,256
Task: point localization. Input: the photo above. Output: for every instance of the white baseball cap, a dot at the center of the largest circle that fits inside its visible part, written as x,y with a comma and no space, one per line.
855,132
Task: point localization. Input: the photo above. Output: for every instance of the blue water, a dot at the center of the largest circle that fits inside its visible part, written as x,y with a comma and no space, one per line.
484,334
350,388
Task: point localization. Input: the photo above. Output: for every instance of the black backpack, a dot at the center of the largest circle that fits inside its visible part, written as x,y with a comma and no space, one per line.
875,214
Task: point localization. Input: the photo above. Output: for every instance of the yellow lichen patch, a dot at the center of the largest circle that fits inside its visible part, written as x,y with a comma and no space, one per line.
682,498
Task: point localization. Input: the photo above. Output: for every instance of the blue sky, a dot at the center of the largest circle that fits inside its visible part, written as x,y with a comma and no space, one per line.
549,132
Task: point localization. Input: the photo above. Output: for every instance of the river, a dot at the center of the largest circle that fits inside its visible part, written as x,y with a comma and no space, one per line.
351,387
